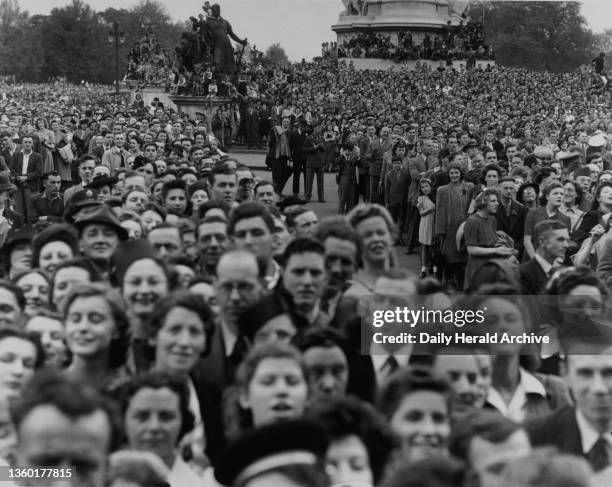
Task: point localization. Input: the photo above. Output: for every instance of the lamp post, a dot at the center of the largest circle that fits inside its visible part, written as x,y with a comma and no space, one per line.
117,37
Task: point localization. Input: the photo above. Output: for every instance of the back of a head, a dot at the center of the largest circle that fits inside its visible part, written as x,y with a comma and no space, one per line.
71,398
489,425
433,472
546,468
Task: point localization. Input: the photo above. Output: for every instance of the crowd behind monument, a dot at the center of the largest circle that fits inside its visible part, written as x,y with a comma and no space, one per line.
168,316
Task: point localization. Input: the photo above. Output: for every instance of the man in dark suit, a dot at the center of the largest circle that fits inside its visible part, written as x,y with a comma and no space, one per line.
251,123
26,168
296,142
511,214
584,429
552,239
47,206
238,285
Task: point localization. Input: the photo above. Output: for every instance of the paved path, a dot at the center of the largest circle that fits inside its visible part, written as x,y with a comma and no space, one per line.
329,208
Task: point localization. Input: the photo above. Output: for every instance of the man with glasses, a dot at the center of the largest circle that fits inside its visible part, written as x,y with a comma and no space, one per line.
238,284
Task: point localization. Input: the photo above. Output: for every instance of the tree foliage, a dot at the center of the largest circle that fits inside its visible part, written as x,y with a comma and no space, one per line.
551,36
72,41
275,55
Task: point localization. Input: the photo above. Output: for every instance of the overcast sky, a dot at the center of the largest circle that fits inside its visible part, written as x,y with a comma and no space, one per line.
299,25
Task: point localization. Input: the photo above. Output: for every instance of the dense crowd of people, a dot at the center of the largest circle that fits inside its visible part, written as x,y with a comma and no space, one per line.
148,62
458,42
169,319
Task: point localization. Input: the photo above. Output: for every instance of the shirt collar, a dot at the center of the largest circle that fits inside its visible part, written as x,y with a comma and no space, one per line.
588,434
546,266
530,384
272,279
380,355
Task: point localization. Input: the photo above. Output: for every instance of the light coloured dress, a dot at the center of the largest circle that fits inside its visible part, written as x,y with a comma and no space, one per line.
426,207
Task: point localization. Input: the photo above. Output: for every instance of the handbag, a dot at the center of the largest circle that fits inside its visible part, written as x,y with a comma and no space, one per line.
66,153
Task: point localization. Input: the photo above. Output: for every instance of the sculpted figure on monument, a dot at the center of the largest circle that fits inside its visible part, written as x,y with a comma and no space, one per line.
220,32
354,7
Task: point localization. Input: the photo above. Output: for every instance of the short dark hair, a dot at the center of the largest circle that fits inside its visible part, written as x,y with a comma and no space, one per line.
320,337
488,425
294,213
209,219
251,209
347,416
174,184
181,299
87,157
338,227
221,168
159,380
302,246
209,205
71,397
264,183
16,291
33,338
546,226
406,381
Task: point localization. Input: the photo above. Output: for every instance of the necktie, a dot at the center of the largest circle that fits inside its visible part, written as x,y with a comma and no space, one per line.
239,352
598,456
391,365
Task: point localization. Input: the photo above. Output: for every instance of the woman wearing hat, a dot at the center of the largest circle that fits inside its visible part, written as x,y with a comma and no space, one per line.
54,245
527,195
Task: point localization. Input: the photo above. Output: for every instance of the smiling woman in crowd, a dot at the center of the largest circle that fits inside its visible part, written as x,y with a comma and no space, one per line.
49,326
179,331
375,227
21,354
54,245
36,288
416,407
97,332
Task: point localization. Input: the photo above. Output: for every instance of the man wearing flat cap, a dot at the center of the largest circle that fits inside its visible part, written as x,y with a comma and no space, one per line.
100,233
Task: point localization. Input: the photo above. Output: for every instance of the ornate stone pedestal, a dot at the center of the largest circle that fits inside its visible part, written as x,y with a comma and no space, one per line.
148,93
420,18
200,104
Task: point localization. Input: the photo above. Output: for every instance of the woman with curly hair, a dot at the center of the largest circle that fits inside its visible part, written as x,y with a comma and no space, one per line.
376,229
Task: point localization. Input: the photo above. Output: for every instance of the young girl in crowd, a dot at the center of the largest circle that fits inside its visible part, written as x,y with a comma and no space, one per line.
426,209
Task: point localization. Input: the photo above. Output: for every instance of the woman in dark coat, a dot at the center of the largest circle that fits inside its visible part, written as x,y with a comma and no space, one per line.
452,202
